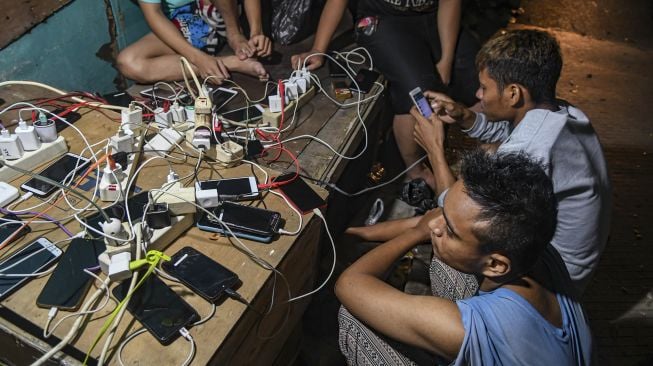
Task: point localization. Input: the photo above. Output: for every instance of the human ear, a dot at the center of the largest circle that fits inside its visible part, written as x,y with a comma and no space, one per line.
515,94
496,265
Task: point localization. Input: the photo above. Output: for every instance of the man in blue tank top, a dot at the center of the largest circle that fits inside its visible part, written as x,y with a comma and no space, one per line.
496,223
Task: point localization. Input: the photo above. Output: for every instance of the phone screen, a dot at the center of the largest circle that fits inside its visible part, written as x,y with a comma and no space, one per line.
243,114
7,230
365,79
247,218
68,283
200,273
58,172
235,187
221,96
160,309
421,103
28,260
300,194
162,93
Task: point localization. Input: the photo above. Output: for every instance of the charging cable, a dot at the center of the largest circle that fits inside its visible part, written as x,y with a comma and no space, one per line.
333,266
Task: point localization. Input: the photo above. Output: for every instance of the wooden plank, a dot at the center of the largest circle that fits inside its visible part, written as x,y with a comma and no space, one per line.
257,281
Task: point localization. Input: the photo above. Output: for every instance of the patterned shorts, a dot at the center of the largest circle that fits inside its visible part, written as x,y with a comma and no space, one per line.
202,26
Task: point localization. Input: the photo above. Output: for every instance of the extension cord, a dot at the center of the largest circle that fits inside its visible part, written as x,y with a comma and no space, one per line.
180,200
163,142
33,159
229,153
273,118
112,191
161,238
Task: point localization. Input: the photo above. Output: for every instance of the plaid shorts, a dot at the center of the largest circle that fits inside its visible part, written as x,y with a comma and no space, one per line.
202,25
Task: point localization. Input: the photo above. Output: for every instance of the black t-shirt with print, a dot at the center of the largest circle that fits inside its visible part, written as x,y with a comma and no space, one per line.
395,7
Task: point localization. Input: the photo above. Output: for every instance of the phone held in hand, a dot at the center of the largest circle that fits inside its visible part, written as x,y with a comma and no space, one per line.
18,268
158,308
68,284
203,275
421,102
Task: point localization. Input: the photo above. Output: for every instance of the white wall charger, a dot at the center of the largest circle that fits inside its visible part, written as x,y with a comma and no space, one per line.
7,194
10,146
28,136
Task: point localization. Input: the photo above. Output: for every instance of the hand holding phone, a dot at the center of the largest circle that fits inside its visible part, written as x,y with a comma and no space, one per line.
421,102
200,273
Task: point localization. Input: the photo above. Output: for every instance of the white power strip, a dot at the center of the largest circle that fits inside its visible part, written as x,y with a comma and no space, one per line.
163,142
33,159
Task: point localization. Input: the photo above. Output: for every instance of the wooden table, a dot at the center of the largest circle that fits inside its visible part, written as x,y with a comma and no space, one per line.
235,335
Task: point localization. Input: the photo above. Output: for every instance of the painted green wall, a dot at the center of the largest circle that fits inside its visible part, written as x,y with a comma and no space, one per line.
62,51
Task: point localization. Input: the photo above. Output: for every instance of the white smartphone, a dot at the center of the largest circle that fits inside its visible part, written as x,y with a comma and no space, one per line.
232,189
421,102
58,171
221,96
163,92
33,258
243,115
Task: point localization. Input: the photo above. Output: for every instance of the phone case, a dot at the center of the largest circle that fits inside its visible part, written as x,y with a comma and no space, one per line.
200,273
239,234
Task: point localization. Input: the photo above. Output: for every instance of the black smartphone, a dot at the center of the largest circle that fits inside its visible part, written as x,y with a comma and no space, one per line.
136,206
158,308
68,284
336,71
7,230
119,98
33,258
200,273
299,193
249,219
365,79
58,171
241,188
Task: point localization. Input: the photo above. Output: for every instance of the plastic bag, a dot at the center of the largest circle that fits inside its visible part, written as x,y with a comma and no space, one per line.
294,20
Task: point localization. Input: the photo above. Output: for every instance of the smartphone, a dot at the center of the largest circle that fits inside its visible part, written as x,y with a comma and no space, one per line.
68,284
243,188
200,273
245,221
207,224
31,259
158,308
221,96
421,102
119,98
336,71
365,79
8,229
299,193
135,204
58,171
163,92
243,115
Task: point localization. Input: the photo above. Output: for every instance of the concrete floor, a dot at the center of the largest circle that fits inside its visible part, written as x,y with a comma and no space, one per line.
608,52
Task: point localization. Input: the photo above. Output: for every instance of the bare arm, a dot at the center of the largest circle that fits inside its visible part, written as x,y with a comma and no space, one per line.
259,42
427,322
329,20
163,28
429,134
229,11
449,13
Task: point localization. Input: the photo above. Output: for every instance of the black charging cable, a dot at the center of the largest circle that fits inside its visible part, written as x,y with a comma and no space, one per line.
238,297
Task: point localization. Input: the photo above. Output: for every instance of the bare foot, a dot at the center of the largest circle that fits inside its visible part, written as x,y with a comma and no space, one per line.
248,66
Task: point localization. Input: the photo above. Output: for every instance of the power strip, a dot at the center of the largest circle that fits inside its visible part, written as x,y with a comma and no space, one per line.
163,142
33,159
111,192
161,238
273,118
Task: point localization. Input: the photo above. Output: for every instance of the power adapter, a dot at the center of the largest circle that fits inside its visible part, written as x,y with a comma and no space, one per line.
229,153
28,137
10,146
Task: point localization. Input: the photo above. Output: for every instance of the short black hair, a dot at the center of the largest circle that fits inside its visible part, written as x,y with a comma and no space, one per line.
529,57
516,201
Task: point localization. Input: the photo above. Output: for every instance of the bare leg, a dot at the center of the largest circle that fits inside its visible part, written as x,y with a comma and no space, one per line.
149,60
383,231
402,126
